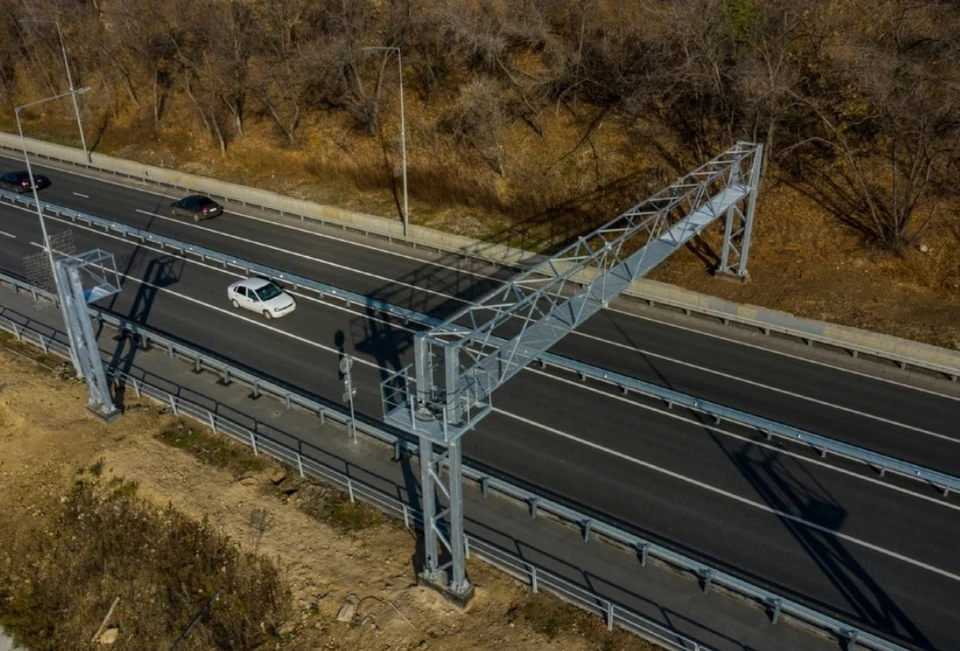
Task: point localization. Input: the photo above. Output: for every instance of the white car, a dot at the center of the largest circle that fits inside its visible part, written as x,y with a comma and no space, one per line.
261,296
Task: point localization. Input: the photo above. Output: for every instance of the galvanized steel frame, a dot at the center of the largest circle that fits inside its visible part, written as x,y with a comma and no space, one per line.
546,304
451,574
457,371
85,353
776,605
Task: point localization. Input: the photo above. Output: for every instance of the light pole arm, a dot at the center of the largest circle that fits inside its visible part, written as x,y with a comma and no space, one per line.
79,91
66,65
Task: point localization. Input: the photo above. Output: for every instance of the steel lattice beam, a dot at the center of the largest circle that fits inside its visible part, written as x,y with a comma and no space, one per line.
460,362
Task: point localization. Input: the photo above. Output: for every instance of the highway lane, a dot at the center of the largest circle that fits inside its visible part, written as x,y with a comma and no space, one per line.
888,417
713,619
301,350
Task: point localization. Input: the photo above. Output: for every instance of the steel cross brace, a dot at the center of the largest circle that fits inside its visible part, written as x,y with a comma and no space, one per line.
739,224
83,341
450,578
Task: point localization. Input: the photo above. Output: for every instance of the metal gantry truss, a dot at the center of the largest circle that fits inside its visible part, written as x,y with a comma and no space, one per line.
462,361
83,279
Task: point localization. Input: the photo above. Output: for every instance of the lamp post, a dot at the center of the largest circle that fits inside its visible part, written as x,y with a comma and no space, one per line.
36,202
66,64
403,132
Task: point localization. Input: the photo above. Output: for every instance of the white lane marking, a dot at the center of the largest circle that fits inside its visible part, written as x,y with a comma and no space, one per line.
736,498
575,332
761,385
490,279
578,385
421,260
596,446
235,315
746,439
700,368
303,256
233,274
82,195
10,235
397,254
781,353
347,310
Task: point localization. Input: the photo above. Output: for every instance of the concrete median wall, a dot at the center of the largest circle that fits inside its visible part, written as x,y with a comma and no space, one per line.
896,348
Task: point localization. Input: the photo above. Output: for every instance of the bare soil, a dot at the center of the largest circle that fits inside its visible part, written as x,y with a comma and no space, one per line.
329,552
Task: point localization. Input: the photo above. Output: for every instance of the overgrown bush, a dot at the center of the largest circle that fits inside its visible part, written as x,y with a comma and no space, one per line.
105,542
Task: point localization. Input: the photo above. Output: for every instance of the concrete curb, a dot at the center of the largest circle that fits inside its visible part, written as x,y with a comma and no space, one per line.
904,352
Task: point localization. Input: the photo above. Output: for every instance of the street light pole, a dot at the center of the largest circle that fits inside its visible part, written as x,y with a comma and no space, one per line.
36,202
66,64
403,135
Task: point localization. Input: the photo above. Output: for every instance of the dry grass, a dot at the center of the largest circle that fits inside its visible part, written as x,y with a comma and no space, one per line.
555,618
217,451
103,542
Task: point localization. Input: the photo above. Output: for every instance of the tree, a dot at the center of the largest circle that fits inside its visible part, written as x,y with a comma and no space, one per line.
893,134
479,122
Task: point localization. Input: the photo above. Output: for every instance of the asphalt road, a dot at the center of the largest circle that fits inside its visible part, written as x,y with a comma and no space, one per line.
870,552
673,600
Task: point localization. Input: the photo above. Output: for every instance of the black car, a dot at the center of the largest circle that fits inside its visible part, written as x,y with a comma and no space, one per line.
196,206
20,181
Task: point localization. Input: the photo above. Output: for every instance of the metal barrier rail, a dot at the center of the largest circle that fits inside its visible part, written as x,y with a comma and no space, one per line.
824,445
770,429
529,573
775,604
903,361
297,282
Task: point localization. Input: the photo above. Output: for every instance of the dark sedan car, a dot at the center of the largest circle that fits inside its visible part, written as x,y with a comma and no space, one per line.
20,181
196,206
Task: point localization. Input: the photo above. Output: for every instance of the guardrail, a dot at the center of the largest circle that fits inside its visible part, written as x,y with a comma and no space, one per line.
297,282
768,428
709,577
651,292
771,429
533,575
806,335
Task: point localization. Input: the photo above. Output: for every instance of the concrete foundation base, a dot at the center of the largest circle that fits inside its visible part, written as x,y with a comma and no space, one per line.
731,277
459,601
107,418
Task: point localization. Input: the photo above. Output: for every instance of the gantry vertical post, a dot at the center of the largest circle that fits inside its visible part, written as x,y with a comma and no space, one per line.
100,403
428,501
731,215
459,584
738,227
755,171
450,578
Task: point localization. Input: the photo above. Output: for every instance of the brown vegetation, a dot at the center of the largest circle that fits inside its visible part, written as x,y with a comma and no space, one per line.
103,542
534,120
163,513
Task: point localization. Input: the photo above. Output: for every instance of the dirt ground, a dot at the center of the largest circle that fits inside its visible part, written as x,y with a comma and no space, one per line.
803,262
45,436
